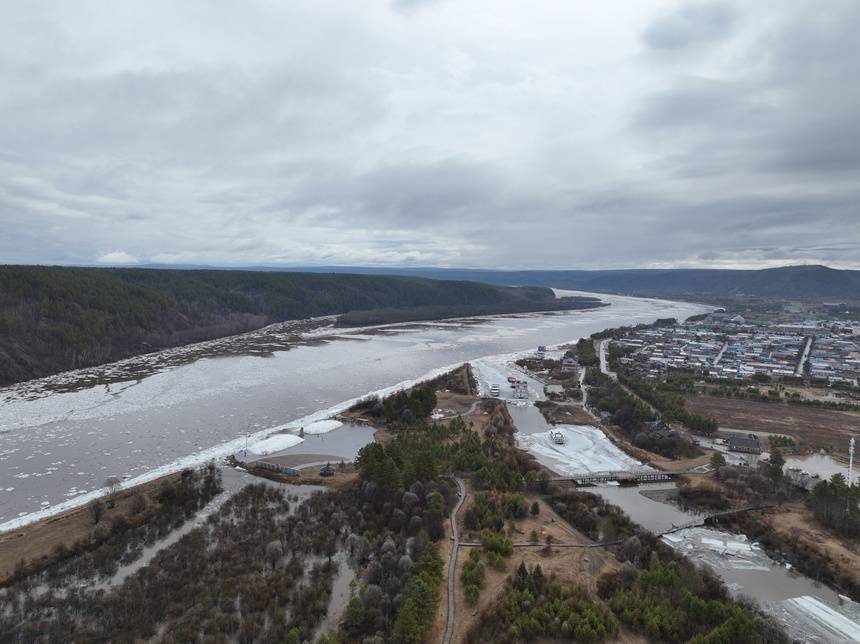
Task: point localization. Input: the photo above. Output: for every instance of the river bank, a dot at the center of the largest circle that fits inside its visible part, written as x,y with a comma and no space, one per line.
58,445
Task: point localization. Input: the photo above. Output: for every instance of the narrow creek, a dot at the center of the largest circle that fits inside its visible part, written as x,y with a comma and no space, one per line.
810,611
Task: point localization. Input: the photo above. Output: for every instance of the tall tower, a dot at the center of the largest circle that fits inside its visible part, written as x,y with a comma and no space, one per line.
851,462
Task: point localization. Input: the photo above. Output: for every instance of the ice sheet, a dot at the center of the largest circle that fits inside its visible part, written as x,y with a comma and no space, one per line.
585,449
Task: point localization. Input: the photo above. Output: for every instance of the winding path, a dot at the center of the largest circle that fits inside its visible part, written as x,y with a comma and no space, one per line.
452,563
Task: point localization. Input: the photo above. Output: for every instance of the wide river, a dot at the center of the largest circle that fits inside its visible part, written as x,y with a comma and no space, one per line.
61,437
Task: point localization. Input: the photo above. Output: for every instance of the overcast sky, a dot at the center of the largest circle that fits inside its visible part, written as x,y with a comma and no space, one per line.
564,134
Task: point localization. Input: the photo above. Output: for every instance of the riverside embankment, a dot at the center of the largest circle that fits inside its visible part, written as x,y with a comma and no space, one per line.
61,437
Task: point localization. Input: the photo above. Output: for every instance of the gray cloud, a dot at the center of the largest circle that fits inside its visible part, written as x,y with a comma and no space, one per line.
480,135
695,23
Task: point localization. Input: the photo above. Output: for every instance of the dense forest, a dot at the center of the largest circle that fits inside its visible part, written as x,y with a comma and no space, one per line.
54,319
796,282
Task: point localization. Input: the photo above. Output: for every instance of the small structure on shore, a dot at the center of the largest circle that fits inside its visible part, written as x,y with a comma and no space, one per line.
272,467
327,470
747,443
568,365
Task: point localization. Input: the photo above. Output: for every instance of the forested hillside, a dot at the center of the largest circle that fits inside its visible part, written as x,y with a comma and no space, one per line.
54,318
794,282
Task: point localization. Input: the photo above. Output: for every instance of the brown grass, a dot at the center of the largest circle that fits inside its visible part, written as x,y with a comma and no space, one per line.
37,541
818,427
796,522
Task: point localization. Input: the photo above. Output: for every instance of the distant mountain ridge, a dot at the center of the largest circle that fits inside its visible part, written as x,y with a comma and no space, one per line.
787,282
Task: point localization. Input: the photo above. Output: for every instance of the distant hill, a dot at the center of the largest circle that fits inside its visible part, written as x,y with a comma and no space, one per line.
57,318
788,282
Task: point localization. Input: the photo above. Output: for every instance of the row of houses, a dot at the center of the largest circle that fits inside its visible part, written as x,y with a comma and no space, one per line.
835,358
744,352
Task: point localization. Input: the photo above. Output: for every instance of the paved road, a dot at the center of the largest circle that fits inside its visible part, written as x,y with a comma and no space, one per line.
452,564
604,362
604,367
803,358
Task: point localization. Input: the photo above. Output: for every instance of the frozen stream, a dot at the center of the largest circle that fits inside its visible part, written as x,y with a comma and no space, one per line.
60,437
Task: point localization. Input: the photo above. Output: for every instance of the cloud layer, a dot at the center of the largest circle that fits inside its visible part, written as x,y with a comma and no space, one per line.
423,132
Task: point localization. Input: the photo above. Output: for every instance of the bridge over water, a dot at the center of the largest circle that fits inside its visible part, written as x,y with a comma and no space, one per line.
622,476
703,520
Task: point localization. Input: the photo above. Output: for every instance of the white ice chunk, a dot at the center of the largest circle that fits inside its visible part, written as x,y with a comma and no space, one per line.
275,443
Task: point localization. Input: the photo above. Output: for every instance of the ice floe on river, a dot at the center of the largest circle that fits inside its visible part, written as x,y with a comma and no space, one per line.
220,451
719,549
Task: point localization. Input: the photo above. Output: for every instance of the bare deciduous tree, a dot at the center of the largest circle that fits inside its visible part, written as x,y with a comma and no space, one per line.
112,484
97,510
274,552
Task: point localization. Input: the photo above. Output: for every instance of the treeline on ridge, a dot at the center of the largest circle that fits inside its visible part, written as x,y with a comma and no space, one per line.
54,319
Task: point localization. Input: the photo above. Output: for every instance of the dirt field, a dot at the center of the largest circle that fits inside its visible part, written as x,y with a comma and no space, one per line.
38,540
825,428
567,413
452,404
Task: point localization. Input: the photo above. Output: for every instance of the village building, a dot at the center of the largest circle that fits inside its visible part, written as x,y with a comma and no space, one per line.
568,365
747,443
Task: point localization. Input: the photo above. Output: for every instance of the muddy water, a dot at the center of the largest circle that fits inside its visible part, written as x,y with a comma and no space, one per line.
341,593
59,443
339,444
767,581
822,464
527,418
745,568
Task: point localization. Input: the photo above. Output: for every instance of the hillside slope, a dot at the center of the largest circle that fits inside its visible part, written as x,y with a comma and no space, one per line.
54,319
787,282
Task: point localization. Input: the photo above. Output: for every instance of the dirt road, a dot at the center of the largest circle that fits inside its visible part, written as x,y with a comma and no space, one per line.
452,563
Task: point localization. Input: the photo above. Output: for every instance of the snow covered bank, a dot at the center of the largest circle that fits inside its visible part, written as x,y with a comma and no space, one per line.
585,449
275,443
322,426
222,450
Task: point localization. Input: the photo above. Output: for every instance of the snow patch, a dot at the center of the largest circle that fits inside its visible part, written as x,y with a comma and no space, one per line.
322,426
275,443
